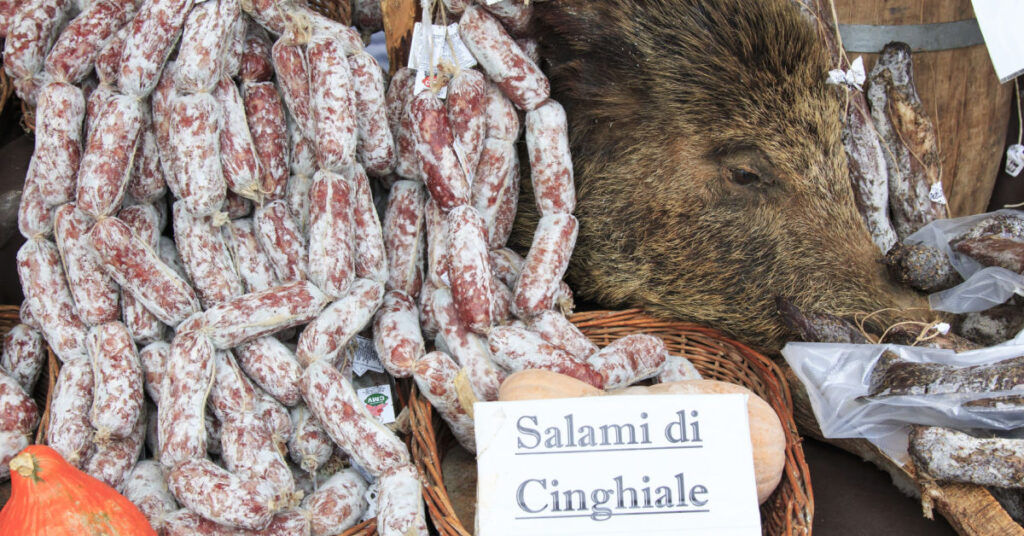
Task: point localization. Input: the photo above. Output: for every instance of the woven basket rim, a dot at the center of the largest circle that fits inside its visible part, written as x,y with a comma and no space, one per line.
791,505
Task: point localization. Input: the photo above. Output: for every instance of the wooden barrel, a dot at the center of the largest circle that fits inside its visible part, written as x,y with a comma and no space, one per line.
958,87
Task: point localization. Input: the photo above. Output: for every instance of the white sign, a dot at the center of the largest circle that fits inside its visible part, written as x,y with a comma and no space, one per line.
1000,22
664,464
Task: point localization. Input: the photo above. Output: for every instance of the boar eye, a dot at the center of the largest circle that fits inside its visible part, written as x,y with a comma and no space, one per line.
744,177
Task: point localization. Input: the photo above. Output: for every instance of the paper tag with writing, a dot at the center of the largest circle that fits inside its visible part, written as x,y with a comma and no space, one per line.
365,357
936,194
1014,159
429,49
662,464
378,402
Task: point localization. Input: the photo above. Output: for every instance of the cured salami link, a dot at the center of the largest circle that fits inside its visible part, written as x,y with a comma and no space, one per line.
238,158
113,457
196,122
151,38
404,225
273,367
153,358
376,146
94,292
220,496
188,375
678,368
428,324
147,183
442,171
109,152
69,431
339,322
42,280
140,271
468,268
331,234
248,451
282,241
349,39
252,263
506,265
118,390
274,15
24,355
397,103
269,131
501,302
547,140
337,504
516,349
435,376
205,256
258,314
467,115
146,488
513,15
437,244
168,253
309,446
32,29
276,415
108,60
545,265
334,402
297,199
530,47
144,326
496,190
292,71
468,348
400,503
505,63
396,334
75,51
18,412
232,392
630,359
161,101
59,114
256,64
333,106
234,46
200,58
371,257
557,330
303,161
25,315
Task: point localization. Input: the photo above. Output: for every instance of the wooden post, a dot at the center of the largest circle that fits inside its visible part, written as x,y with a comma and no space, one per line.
399,18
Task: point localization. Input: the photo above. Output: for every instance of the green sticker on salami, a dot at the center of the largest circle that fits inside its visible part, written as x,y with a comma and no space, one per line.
378,402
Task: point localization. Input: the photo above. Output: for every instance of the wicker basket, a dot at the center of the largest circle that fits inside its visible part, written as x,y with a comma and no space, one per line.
789,510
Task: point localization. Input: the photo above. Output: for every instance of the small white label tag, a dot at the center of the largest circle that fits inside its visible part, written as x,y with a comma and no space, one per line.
1014,159
423,82
366,357
936,195
378,402
430,49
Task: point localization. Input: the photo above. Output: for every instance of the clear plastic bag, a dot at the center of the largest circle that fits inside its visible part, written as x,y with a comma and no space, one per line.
983,287
837,378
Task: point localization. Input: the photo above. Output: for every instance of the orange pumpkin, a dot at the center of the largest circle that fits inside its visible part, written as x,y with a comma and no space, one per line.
49,496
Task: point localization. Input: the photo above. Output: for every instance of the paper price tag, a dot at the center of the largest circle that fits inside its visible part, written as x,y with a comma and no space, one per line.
365,357
653,465
1014,159
429,49
936,195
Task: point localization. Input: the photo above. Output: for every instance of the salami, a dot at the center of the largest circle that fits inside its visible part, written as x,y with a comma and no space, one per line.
506,265
504,62
292,71
437,244
309,446
502,118
297,198
139,270
75,51
269,131
375,148
108,60
273,367
400,503
530,47
332,100
282,241
273,15
256,63
24,355
331,234
59,114
146,488
220,496
168,253
42,280
109,152
200,58
252,263
153,358
396,334
118,388
467,115
435,376
205,256
94,292
273,413
333,401
501,301
144,326
516,349
630,359
371,257
151,38
234,46
113,457
232,392
557,330
442,171
337,504
25,315
161,101
238,158
32,29
69,431
678,368
468,268
188,375
258,314
339,322
248,451
545,265
496,190
147,183
18,412
196,121
468,348
547,141
396,102
404,225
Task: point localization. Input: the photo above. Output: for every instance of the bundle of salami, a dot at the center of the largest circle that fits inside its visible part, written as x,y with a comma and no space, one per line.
267,122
